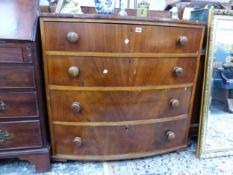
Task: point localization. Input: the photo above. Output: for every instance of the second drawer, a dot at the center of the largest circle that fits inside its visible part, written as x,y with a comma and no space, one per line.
105,106
97,71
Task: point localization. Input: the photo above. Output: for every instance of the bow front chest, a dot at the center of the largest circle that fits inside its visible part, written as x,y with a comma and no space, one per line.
119,88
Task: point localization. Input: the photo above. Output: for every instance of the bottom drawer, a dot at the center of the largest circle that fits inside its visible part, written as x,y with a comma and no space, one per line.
20,135
122,141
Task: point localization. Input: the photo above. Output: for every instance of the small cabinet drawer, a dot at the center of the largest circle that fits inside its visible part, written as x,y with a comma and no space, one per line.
94,37
17,77
23,104
97,71
15,53
122,141
107,106
11,54
14,135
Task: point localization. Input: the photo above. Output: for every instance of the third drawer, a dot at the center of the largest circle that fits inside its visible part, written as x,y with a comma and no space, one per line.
105,106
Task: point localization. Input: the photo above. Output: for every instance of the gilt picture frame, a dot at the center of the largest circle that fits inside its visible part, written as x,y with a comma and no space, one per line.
220,30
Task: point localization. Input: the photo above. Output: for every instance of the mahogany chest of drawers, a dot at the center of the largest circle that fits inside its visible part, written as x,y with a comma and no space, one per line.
22,107
119,88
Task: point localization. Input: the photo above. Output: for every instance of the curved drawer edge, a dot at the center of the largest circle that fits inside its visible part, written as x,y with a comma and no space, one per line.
116,157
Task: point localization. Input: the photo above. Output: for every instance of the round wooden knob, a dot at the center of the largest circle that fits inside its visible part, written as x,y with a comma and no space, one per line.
78,141
170,135
178,71
72,37
2,106
73,71
76,107
174,103
182,40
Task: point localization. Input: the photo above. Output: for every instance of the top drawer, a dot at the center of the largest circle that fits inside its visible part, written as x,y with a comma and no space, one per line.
94,37
15,53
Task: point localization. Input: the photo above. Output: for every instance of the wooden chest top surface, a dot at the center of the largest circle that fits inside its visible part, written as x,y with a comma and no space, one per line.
18,19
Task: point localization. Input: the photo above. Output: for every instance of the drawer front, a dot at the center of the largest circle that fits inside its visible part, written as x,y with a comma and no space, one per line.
93,37
105,106
14,135
97,71
15,53
11,55
18,104
117,140
17,77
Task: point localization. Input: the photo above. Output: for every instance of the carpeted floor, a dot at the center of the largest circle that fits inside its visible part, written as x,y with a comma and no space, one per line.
219,129
177,163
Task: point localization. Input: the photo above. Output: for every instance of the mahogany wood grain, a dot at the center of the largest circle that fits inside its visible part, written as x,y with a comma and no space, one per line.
65,157
11,55
107,72
95,37
110,106
18,105
17,77
15,52
109,140
24,134
125,79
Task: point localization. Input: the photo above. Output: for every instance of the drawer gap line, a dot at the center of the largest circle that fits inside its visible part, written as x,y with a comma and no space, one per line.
138,122
133,88
134,55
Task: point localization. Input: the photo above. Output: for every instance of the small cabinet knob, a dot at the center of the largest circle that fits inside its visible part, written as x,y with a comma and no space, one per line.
2,106
72,37
170,135
73,71
77,141
76,107
183,40
174,103
178,71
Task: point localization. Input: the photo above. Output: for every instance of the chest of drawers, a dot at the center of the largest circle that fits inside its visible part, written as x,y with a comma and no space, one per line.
119,88
22,107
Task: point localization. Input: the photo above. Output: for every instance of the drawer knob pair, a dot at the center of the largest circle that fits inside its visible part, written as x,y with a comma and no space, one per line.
174,103
76,107
183,40
178,71
77,141
2,106
170,135
72,37
73,71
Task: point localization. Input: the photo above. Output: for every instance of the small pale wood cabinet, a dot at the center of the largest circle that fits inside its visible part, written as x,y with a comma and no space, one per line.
119,88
